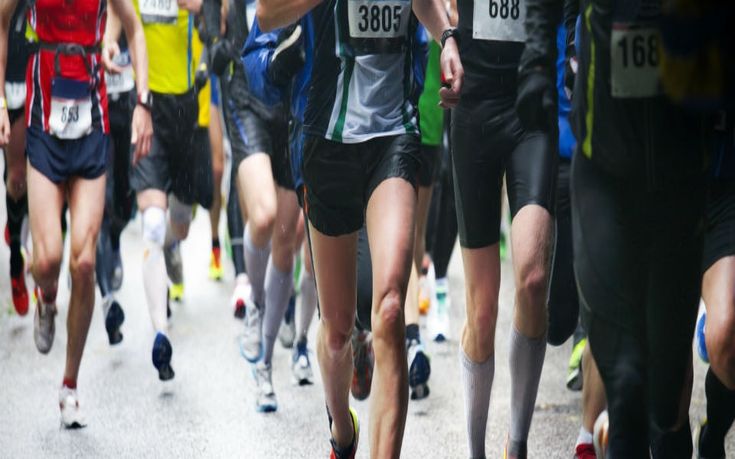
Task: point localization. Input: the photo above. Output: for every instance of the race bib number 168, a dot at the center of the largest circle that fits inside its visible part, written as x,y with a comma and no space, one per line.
634,61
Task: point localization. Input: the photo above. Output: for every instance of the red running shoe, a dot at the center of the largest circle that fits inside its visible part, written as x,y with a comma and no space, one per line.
585,451
20,293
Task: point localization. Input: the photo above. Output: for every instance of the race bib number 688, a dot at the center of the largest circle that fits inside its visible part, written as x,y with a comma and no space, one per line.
501,20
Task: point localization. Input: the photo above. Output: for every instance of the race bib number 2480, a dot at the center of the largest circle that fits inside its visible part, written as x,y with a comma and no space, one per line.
378,18
501,20
634,61
158,11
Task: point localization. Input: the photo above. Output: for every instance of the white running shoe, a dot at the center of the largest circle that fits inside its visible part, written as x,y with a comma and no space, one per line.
240,296
44,324
438,321
301,370
251,346
71,413
266,397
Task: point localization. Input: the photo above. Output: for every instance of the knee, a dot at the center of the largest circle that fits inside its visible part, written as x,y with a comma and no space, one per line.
262,218
389,316
154,226
532,288
721,350
16,184
180,215
46,263
82,265
336,337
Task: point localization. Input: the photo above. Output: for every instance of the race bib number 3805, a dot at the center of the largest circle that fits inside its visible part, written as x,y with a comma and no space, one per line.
158,11
634,61
499,20
378,18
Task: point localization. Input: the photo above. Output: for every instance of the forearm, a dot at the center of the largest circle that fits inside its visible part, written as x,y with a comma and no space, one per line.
272,14
139,54
542,19
432,14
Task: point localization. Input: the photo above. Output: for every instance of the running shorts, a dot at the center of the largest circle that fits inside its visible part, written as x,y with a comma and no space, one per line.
60,160
173,165
488,142
719,235
340,178
15,115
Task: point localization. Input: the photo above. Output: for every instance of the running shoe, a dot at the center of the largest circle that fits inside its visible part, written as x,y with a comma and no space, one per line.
161,355
350,451
419,369
700,336
71,413
20,292
176,292
266,398
424,295
599,435
251,346
585,451
438,322
114,318
363,361
215,266
698,437
575,378
515,450
239,297
117,271
44,325
287,330
301,365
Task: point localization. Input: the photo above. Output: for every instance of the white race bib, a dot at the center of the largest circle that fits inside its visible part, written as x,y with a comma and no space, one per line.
70,118
158,11
378,18
123,81
15,94
634,61
501,20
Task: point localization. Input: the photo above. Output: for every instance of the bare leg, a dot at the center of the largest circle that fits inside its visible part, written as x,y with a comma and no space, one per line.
718,292
390,225
218,158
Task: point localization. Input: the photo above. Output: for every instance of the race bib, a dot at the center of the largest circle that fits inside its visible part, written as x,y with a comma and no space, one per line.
71,109
123,81
15,95
500,20
159,11
634,61
378,18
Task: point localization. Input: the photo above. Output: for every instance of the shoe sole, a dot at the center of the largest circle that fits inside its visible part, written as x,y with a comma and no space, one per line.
420,370
266,408
420,392
75,425
113,322
251,360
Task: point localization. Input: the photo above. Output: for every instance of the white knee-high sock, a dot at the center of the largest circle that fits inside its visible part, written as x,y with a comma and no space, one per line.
526,362
256,261
477,381
305,311
278,288
154,266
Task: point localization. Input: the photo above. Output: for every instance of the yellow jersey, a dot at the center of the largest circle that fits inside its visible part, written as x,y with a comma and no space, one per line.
205,94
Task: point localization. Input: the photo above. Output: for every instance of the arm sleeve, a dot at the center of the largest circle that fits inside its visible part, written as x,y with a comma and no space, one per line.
256,56
542,19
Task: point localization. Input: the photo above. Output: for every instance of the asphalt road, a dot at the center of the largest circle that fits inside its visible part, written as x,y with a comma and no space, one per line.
208,410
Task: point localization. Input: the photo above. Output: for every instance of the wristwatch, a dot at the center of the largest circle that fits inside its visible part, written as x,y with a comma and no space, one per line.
451,32
145,99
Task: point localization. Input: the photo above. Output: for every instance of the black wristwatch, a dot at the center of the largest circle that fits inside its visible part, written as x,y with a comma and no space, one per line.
145,100
451,32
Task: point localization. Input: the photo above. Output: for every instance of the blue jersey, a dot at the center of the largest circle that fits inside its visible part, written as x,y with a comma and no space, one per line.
567,142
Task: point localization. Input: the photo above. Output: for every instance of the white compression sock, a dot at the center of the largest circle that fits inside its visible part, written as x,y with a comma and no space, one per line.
526,362
477,381
306,309
256,261
584,437
278,289
154,266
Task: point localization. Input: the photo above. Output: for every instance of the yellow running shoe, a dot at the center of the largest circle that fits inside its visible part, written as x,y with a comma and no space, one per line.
349,452
176,292
215,266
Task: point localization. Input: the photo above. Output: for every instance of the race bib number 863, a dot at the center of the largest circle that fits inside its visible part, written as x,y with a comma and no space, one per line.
378,19
634,61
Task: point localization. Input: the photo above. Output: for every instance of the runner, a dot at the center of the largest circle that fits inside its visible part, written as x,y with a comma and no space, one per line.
718,292
637,216
489,142
63,117
174,165
16,201
119,198
356,165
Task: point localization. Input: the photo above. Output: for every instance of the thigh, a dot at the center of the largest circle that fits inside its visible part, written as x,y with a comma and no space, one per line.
478,181
335,181
256,188
532,169
45,201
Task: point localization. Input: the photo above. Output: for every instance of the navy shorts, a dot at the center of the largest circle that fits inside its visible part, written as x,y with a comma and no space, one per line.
60,160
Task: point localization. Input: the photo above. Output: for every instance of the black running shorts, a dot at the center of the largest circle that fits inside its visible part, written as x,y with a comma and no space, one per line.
719,236
173,165
340,178
488,142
